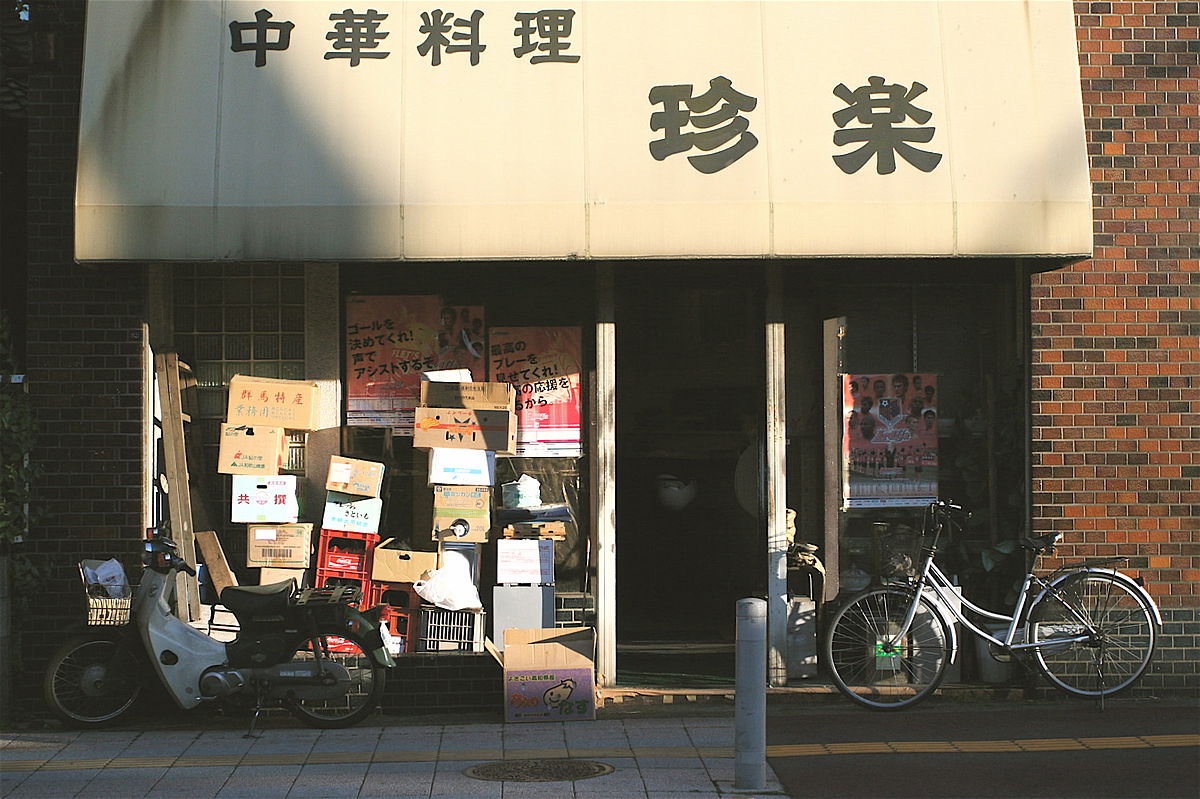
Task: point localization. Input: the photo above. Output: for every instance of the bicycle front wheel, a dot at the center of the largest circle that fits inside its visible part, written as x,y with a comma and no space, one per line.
92,680
1119,647
869,666
361,694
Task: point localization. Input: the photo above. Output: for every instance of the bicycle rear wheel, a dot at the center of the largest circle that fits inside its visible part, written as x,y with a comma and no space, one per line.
1119,652
362,694
865,664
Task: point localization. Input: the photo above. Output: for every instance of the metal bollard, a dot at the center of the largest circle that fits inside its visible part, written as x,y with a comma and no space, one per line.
750,703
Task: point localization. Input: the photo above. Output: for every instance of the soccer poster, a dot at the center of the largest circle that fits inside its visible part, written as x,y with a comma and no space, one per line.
391,340
544,365
889,440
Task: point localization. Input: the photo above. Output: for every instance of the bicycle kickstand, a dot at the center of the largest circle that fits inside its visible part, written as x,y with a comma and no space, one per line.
258,706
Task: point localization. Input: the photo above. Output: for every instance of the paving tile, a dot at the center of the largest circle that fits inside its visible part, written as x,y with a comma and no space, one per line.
670,762
398,779
328,781
9,780
458,741
123,782
545,790
31,742
677,779
619,783
448,780
259,782
55,784
198,782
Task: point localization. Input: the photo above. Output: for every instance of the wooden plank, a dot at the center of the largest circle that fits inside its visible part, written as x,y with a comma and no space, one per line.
775,483
604,477
179,504
214,559
834,329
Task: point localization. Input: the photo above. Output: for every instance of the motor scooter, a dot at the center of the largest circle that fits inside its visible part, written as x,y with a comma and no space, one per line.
310,651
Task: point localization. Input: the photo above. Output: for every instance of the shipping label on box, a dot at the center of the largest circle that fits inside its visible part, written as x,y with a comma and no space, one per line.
465,428
264,499
401,565
528,561
549,674
462,467
351,476
251,450
279,546
483,396
351,513
271,402
462,513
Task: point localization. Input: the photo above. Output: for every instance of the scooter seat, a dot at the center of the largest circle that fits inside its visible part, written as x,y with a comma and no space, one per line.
258,599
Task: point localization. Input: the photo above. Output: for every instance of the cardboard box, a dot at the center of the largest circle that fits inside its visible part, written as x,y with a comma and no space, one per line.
267,576
469,506
270,499
549,674
462,467
401,565
483,396
271,402
279,546
350,476
465,428
251,450
528,561
351,513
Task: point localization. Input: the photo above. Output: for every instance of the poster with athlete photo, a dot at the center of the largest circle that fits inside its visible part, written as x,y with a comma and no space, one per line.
889,440
391,340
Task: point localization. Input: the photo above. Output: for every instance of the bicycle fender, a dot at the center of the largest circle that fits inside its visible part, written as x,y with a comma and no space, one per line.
366,624
1119,576
951,622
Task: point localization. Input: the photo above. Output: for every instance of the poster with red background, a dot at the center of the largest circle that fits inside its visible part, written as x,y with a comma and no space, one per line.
544,364
889,439
391,340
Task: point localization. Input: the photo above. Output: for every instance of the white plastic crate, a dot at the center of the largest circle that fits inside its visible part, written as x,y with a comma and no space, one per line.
451,630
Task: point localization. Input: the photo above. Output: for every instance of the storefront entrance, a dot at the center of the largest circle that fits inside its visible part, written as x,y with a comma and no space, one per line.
689,419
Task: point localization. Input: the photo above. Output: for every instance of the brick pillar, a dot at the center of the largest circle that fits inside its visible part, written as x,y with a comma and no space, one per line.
1116,343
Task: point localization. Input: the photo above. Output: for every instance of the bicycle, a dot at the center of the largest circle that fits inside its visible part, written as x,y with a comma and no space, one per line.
1090,629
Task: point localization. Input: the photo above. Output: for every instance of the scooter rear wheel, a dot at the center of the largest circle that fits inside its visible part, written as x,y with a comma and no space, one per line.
92,680
361,697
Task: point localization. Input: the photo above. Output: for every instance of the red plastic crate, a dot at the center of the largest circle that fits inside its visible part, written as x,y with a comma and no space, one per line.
338,577
347,553
401,607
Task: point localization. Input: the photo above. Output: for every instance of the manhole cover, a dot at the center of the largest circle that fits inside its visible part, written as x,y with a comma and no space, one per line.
538,770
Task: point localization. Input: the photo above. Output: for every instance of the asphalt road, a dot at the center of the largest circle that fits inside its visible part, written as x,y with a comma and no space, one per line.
1015,750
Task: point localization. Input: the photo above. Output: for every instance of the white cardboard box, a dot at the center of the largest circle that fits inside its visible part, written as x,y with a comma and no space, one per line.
270,499
525,561
462,467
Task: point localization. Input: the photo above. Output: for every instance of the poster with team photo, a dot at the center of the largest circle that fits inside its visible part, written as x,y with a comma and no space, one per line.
889,439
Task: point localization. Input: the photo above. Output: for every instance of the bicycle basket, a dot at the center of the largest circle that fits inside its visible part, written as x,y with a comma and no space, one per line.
104,609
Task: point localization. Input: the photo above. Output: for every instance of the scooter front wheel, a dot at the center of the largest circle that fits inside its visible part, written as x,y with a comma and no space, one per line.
92,680
363,693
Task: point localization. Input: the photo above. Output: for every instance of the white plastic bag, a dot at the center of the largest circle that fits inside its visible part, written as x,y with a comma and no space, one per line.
524,492
108,576
451,586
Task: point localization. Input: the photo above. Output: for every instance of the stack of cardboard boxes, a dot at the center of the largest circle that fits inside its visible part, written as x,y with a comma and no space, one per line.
254,448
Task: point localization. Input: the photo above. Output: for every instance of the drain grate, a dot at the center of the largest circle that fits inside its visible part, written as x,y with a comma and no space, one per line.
550,770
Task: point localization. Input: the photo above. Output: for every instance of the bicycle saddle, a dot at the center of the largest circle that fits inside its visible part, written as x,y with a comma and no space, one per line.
256,599
1040,543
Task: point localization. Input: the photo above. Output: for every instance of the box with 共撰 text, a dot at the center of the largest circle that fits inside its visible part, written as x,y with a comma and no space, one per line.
270,498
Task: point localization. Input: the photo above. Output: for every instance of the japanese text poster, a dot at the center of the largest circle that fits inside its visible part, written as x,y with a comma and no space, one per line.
544,365
391,340
889,440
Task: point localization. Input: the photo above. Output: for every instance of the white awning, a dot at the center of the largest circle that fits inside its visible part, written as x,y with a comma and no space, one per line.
325,130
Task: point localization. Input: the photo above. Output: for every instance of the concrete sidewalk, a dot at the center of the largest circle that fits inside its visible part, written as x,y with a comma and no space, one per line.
655,758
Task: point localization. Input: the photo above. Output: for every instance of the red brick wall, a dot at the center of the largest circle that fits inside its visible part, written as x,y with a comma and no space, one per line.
1117,338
